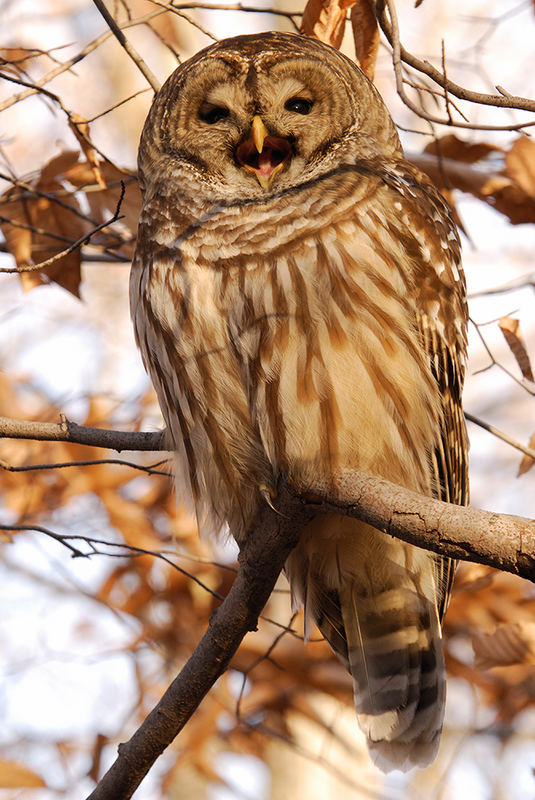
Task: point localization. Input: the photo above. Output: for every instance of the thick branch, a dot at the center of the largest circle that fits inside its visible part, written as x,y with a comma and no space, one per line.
503,541
261,560
498,540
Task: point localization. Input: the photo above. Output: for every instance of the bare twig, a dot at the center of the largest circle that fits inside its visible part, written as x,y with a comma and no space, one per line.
528,451
130,49
67,431
173,10
150,470
94,549
67,65
510,286
400,54
526,385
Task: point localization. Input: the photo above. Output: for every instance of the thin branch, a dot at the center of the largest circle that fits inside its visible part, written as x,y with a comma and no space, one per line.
125,550
524,282
123,41
528,451
150,470
68,431
105,257
265,656
526,385
400,54
66,66
171,8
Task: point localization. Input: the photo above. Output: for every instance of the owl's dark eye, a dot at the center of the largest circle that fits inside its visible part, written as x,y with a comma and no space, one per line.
299,105
212,114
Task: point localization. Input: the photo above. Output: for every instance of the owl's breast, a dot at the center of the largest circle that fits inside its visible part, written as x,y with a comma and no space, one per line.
334,363
289,344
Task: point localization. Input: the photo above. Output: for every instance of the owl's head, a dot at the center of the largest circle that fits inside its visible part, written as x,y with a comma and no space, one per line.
258,114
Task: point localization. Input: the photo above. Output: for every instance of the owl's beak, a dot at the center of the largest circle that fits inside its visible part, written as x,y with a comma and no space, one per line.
263,155
260,133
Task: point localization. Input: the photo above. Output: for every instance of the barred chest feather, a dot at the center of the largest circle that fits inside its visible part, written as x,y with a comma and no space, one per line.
289,345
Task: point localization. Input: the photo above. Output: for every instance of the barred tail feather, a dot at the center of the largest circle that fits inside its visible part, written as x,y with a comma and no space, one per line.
381,618
396,660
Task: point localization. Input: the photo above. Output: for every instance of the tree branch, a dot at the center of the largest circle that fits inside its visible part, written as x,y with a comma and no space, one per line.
261,559
503,541
67,431
499,540
399,54
123,41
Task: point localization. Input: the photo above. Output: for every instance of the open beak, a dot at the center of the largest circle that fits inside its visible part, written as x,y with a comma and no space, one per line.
263,155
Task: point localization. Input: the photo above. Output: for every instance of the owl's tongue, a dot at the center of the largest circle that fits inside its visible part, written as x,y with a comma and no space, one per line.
266,163
271,157
265,166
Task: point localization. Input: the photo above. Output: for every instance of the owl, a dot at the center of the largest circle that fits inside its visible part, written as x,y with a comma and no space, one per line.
299,303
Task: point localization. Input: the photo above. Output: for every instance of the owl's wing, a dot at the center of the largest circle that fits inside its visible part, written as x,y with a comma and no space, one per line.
443,330
450,457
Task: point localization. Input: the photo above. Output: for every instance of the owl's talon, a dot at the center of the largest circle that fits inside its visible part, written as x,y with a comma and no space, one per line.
269,494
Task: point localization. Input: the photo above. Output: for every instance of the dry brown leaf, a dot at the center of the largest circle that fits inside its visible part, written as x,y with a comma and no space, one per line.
513,336
527,462
57,166
512,643
450,146
520,164
55,224
365,35
14,60
325,20
511,190
17,776
493,187
50,220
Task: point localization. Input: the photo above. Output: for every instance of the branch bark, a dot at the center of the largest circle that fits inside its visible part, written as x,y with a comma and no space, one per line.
503,541
67,431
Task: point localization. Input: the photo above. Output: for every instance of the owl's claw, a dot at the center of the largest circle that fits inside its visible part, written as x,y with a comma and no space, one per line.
269,494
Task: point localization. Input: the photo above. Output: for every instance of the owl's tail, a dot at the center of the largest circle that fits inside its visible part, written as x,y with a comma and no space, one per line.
376,606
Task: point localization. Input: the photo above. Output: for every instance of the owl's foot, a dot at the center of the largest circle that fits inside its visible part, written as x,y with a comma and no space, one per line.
269,494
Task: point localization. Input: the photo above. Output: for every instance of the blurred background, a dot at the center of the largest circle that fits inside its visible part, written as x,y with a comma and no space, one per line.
91,636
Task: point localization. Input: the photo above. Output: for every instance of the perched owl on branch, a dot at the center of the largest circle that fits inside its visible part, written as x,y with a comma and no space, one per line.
299,303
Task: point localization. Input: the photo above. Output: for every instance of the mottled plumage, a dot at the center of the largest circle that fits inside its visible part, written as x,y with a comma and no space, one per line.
298,300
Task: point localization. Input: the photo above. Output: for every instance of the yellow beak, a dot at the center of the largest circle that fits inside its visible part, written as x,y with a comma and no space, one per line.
263,154
260,132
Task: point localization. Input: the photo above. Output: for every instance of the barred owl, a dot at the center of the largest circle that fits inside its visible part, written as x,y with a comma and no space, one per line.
299,303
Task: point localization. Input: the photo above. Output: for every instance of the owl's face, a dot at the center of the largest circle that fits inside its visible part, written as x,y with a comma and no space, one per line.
258,114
